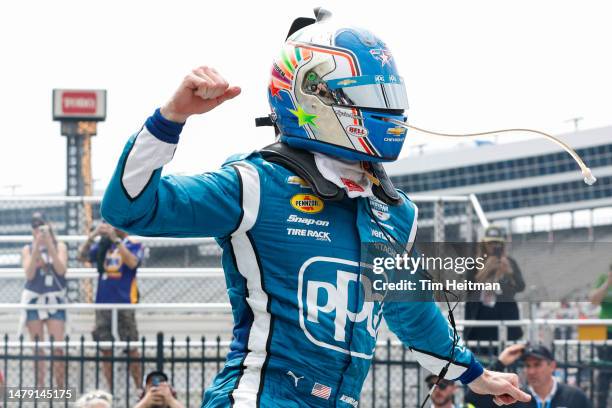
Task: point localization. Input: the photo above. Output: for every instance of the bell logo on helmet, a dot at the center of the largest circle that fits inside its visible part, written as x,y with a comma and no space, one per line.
307,203
356,131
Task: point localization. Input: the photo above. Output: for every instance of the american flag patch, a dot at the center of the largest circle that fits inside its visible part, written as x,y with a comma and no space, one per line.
321,391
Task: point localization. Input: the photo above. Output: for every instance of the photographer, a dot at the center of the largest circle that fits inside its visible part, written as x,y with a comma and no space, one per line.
44,263
158,393
117,258
491,305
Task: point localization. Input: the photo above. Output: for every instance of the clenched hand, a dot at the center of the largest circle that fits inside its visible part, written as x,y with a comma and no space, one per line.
201,91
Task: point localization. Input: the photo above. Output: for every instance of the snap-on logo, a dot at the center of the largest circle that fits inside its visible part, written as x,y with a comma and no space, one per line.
307,203
356,131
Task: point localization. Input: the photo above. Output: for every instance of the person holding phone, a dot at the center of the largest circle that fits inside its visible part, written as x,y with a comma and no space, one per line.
44,263
602,296
158,393
494,305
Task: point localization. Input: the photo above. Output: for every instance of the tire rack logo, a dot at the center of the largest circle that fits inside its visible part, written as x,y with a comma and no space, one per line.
380,209
307,203
324,307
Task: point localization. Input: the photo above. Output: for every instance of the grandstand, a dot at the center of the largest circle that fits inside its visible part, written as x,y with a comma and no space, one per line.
520,179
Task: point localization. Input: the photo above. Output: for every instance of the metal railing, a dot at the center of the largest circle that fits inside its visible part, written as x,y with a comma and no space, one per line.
503,325
395,379
147,273
432,217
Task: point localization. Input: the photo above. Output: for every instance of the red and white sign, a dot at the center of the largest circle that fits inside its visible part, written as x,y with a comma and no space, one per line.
79,104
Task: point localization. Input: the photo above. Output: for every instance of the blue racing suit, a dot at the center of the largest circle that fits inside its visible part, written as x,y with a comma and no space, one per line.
303,334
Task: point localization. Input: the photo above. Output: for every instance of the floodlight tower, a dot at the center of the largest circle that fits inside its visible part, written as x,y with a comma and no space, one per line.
78,112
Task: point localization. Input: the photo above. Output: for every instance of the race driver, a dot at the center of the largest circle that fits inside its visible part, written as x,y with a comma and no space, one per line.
291,220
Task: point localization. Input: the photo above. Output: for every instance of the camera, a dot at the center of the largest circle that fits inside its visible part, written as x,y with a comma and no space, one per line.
43,229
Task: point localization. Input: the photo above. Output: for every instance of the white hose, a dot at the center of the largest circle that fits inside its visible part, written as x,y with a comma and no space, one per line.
587,174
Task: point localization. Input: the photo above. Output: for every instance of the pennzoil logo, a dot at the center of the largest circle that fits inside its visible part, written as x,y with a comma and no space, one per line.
307,203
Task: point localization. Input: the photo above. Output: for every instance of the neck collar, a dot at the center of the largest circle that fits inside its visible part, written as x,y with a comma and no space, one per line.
302,163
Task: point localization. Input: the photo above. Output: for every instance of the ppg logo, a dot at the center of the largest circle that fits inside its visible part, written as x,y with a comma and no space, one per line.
332,307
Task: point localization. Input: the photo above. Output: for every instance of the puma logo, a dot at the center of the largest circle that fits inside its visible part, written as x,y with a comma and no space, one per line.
295,377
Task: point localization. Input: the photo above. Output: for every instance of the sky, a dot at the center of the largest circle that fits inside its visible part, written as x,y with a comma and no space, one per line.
468,66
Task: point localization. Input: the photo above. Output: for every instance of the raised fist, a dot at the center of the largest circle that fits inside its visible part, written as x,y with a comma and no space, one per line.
201,90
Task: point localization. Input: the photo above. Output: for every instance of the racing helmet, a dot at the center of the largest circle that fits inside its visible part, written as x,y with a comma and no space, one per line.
332,90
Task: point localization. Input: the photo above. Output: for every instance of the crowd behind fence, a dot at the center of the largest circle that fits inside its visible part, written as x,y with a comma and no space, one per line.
395,379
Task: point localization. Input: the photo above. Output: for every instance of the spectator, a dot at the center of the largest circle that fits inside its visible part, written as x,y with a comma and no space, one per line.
491,305
158,393
443,396
117,258
95,399
44,263
602,296
542,385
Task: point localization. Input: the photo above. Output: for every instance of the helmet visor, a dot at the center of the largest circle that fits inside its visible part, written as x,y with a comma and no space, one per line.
366,91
